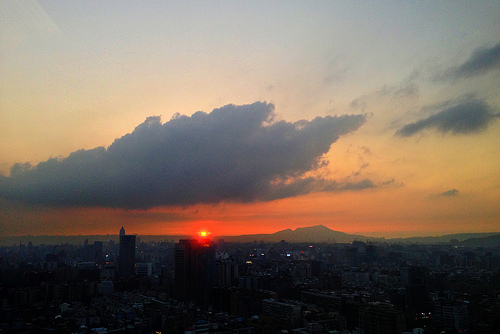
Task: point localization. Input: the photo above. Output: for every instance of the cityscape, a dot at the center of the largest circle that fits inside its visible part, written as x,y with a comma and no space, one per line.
201,285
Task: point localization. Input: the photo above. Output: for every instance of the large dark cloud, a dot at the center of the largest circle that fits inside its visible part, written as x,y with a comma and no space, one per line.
234,153
480,62
468,116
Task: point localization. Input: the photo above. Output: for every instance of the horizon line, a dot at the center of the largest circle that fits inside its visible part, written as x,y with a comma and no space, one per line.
239,235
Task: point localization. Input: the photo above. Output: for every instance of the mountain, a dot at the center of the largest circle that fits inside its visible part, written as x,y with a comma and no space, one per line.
314,234
491,241
320,233
444,239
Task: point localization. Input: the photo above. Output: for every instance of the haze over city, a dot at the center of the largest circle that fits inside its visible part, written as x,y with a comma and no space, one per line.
378,118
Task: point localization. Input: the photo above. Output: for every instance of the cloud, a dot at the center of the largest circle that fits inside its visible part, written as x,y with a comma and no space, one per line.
308,185
468,116
233,154
408,90
336,76
480,62
452,192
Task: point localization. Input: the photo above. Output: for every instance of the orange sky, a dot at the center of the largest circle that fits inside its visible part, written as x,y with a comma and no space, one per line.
424,78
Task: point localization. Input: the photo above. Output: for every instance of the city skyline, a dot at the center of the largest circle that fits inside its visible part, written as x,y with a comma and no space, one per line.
378,119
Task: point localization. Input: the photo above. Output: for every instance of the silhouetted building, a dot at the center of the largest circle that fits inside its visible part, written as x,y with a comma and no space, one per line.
381,318
144,269
450,316
93,253
415,279
194,270
371,253
351,311
126,258
331,281
227,272
316,268
327,301
352,256
285,312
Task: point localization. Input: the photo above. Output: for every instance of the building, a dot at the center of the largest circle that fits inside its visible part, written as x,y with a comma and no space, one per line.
285,312
144,269
126,258
194,270
451,315
226,272
415,279
327,301
381,318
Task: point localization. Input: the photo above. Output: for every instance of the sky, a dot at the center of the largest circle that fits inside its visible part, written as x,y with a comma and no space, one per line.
378,118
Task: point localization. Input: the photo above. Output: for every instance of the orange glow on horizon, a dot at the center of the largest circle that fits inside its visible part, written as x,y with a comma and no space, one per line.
339,213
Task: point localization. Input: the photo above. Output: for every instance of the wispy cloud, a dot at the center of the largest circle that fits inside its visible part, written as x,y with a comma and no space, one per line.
234,154
480,62
452,192
468,116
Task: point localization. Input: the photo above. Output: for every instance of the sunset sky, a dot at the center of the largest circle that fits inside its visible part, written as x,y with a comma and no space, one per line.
240,117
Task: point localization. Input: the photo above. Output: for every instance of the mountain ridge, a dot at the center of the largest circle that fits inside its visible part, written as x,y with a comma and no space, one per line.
321,234
313,234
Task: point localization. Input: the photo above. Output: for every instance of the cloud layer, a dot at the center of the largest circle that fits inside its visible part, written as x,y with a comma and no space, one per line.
469,116
234,153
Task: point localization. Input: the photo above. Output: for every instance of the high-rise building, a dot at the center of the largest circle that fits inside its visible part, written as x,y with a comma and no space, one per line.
416,279
381,318
126,258
194,270
451,315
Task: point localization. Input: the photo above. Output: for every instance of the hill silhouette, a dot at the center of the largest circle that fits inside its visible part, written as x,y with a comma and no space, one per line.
314,234
487,242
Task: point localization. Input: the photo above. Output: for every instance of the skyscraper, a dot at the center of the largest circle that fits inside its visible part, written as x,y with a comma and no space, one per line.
126,258
194,270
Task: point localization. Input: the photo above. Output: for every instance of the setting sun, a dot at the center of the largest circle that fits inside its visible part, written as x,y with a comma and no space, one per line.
203,234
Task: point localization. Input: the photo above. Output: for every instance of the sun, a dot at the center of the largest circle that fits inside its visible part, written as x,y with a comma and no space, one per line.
203,234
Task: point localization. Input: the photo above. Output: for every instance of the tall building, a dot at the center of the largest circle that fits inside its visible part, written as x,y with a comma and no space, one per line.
126,258
381,318
416,279
226,272
451,315
194,270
